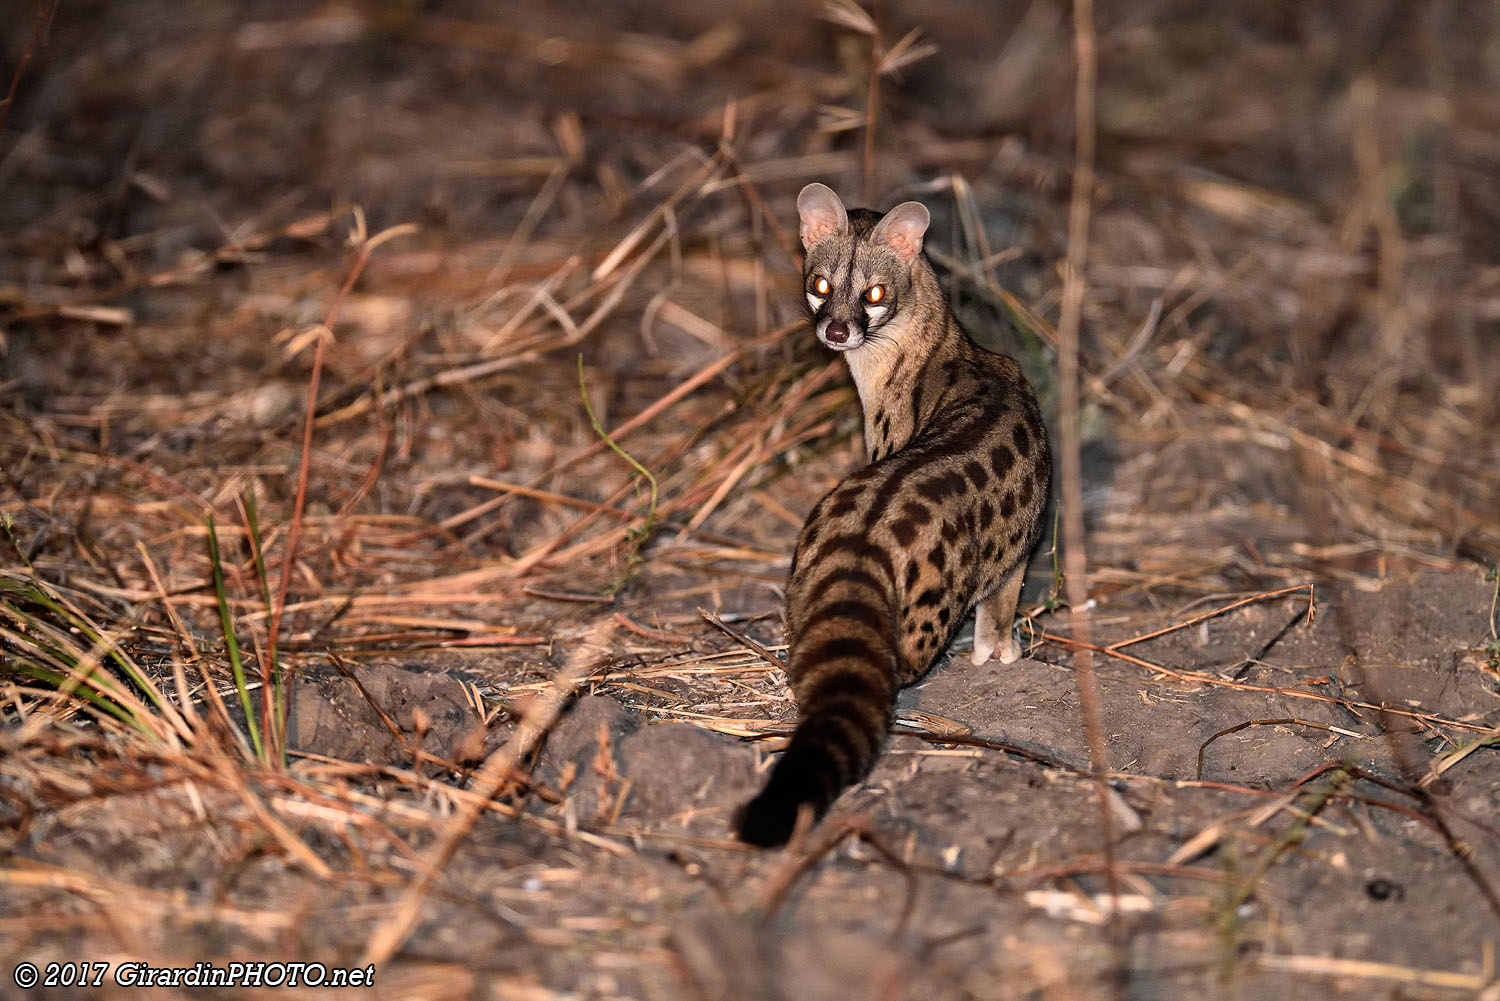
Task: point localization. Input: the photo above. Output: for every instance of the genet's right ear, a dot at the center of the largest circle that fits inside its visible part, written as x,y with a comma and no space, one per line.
902,228
822,214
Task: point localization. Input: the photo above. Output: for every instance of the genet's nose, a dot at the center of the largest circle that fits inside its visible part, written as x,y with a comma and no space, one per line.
837,332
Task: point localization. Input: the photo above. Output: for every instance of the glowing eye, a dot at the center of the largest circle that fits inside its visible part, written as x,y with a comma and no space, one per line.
821,286
874,294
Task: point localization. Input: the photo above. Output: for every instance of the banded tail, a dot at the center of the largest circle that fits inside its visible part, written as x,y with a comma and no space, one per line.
843,668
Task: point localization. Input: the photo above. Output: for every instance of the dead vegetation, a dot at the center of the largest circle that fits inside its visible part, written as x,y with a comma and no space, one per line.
390,392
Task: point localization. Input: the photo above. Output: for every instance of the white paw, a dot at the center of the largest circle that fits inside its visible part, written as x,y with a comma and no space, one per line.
982,651
1010,650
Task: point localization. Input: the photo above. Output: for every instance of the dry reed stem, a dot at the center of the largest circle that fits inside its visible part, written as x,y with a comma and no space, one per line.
1075,560
270,712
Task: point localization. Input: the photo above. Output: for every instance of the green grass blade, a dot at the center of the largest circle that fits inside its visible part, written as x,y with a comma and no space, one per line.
638,537
60,681
52,637
231,644
276,724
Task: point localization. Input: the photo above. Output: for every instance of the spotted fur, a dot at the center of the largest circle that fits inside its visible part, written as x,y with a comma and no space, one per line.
942,519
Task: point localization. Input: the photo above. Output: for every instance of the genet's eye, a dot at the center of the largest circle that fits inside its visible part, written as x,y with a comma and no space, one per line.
821,286
874,294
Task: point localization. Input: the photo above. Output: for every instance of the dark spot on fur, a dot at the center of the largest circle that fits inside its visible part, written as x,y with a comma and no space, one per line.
1021,437
1038,429
895,467
938,558
967,437
931,596
931,490
845,506
939,488
904,531
975,472
918,514
1001,459
1008,504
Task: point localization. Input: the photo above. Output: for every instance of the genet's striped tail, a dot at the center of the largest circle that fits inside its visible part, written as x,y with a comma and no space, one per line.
847,703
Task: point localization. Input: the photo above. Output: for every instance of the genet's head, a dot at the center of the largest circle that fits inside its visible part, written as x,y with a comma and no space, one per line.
859,264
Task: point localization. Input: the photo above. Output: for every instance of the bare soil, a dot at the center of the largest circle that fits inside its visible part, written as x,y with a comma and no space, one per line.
490,215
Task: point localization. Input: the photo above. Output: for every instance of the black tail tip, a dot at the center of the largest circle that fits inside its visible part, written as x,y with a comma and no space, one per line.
801,779
767,821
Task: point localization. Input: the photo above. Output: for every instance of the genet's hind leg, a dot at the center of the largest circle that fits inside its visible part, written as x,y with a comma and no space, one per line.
993,620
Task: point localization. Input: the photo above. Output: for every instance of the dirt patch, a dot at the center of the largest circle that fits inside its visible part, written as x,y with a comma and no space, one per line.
369,715
616,769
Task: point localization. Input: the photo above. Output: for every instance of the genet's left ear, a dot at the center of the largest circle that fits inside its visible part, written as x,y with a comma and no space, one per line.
902,228
822,214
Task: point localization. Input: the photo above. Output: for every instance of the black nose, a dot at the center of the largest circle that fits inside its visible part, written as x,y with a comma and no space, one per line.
837,332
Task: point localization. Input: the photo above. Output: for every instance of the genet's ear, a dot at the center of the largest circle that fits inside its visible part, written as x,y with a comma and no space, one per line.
901,229
822,214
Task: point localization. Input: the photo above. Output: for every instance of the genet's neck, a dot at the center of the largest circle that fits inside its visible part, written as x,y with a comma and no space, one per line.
888,366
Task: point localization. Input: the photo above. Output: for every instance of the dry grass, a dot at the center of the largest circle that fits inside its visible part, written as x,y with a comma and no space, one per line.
478,340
